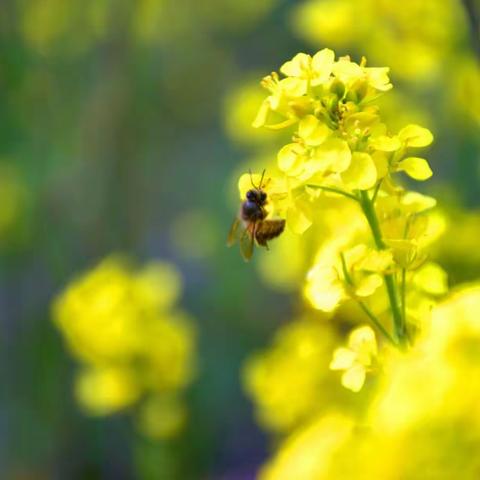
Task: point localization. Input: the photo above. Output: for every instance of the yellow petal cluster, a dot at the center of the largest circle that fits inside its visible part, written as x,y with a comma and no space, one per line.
132,343
355,359
387,30
372,257
339,143
289,381
423,420
340,274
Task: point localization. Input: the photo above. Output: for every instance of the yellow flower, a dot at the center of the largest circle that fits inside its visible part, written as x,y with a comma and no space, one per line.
286,103
340,146
331,281
405,224
106,390
361,173
356,359
307,70
353,75
309,452
431,278
122,325
416,168
446,353
325,288
301,163
285,381
415,136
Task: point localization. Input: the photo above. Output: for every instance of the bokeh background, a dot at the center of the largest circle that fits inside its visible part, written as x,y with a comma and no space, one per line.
123,128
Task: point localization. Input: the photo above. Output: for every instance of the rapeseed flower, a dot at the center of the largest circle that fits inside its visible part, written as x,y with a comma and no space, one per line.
132,343
289,381
340,147
357,358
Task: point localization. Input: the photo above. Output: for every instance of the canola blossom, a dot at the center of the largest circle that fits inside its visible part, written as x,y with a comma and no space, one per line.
341,147
396,394
134,347
421,422
389,31
423,41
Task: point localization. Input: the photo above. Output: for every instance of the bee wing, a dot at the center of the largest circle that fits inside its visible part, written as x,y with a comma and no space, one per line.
247,242
234,232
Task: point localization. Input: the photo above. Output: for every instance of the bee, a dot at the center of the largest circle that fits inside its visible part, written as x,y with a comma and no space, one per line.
250,225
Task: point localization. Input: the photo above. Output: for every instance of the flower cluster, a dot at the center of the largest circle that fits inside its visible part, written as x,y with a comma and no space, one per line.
340,181
341,148
134,347
387,30
290,382
357,358
419,426
419,52
339,140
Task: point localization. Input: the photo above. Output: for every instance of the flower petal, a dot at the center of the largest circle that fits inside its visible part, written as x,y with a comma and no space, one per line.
343,358
385,143
312,131
431,278
416,136
322,64
293,86
378,78
261,118
297,65
288,157
323,288
381,163
334,154
298,219
415,167
361,174
354,378
362,340
369,285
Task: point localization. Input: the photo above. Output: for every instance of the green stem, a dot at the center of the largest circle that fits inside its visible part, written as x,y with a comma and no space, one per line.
403,287
377,189
362,305
335,190
404,292
390,280
376,322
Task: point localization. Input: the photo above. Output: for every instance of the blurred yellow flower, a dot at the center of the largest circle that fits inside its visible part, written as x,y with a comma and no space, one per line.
388,31
342,273
106,390
357,358
122,325
423,418
290,382
309,71
307,453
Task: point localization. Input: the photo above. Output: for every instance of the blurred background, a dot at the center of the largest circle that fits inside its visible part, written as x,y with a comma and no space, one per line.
123,129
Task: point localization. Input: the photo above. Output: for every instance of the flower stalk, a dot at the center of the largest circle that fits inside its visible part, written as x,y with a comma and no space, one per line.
389,278
341,146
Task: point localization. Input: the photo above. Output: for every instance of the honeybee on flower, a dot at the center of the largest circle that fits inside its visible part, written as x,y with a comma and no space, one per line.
251,225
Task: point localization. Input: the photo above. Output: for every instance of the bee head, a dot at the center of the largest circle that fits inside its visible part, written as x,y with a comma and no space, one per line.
256,195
